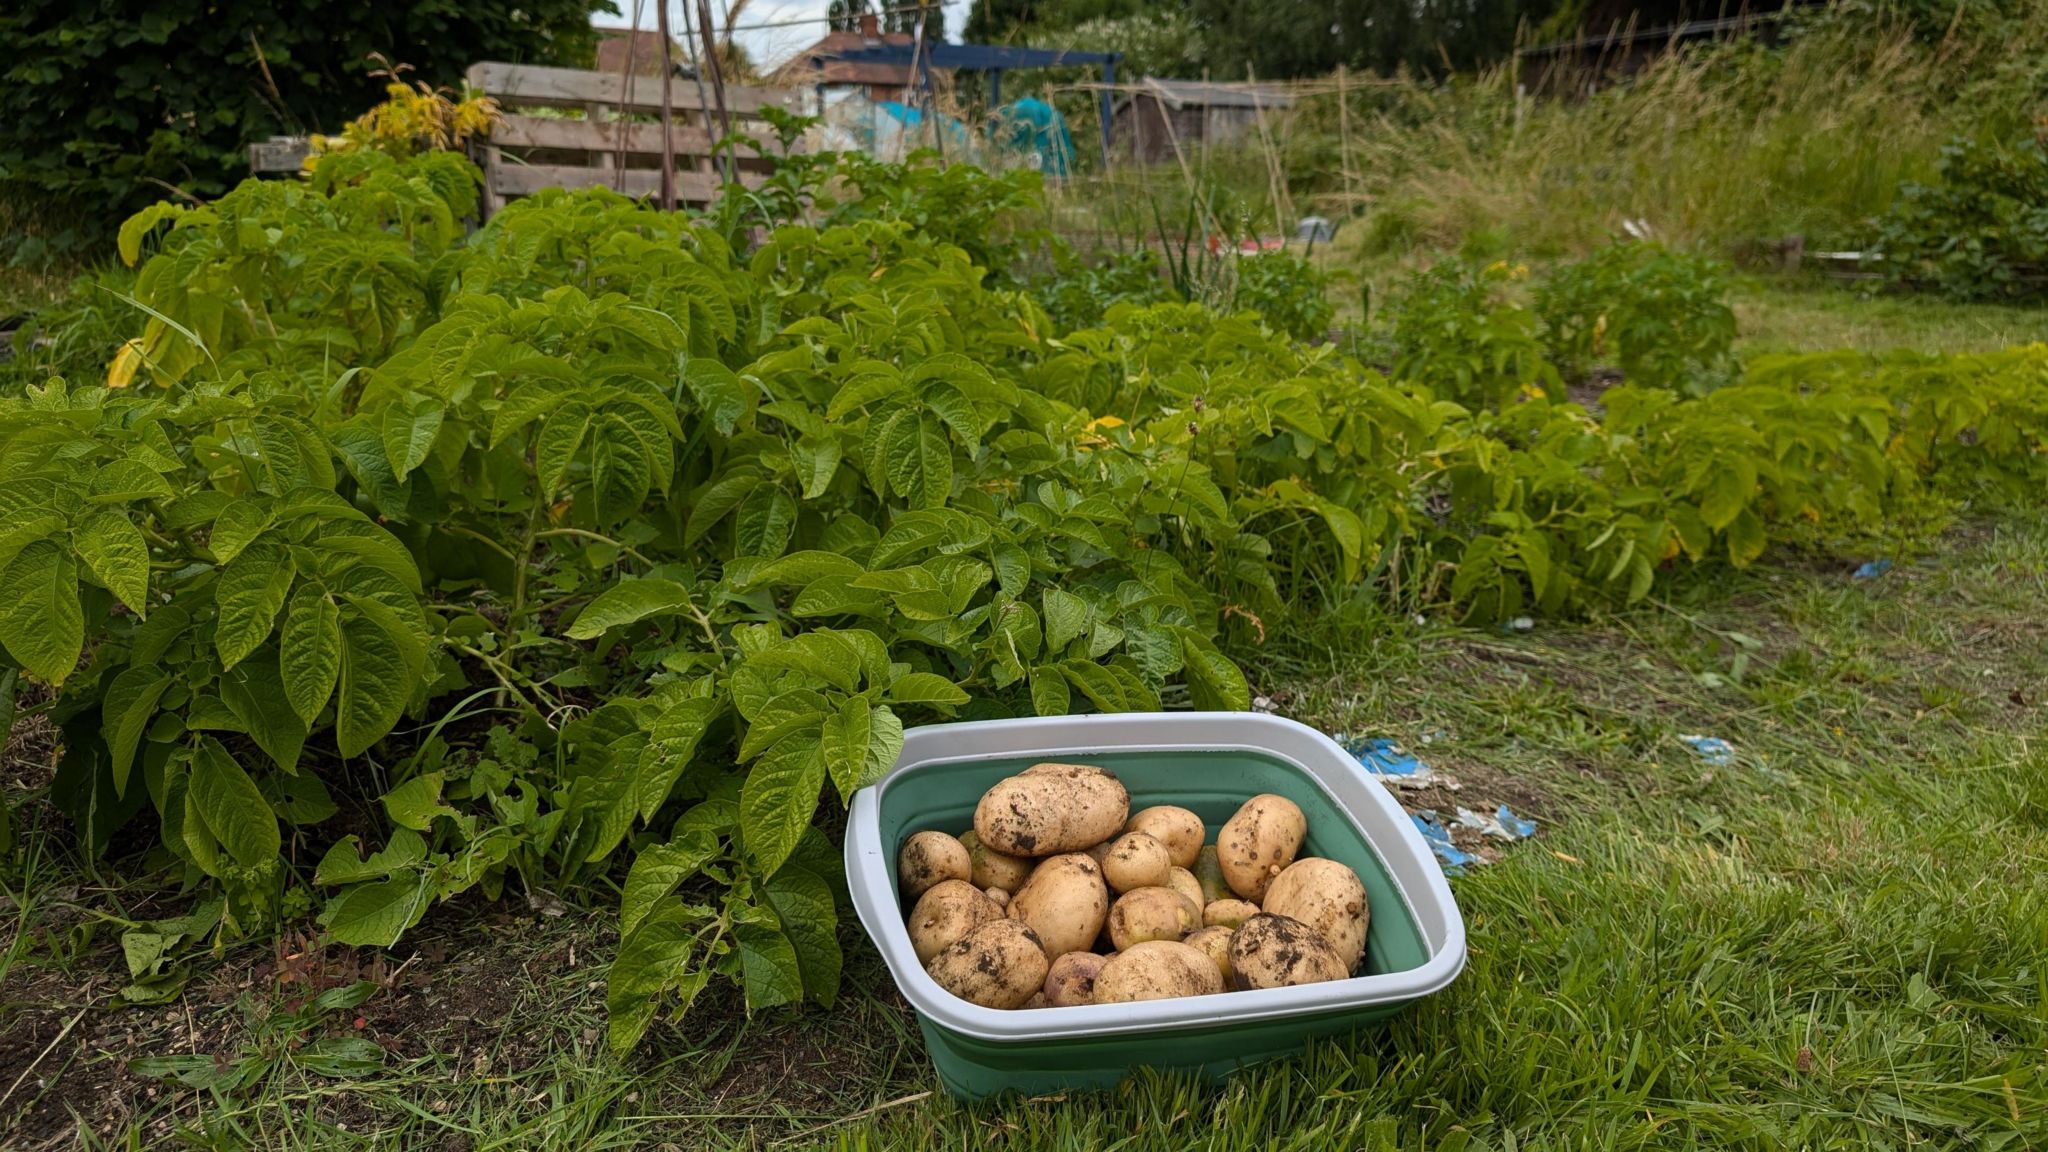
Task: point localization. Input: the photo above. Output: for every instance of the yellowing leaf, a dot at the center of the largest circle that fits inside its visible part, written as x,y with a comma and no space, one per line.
121,372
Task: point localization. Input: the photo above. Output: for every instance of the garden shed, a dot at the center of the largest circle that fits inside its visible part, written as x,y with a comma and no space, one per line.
1158,113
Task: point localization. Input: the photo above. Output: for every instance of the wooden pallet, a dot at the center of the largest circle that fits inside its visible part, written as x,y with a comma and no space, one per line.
527,151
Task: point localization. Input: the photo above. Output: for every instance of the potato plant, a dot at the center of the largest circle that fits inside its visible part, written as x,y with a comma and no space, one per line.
390,564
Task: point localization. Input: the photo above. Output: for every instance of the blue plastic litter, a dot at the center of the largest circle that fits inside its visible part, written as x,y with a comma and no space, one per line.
1715,751
1438,838
1502,825
1872,569
1382,757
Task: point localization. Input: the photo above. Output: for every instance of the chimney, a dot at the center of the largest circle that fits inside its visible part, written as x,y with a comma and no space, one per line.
870,27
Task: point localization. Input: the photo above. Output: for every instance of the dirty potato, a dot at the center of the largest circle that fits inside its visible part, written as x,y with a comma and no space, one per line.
1157,970
1000,964
1064,902
947,911
1279,952
1258,842
1050,809
1228,913
1150,914
1071,979
1000,897
993,869
1177,828
1328,897
1136,860
928,858
1215,944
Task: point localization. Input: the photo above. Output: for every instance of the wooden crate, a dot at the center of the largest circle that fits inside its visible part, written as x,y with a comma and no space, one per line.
527,152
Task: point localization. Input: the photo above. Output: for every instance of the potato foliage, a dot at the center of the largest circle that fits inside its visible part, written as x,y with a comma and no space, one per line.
392,562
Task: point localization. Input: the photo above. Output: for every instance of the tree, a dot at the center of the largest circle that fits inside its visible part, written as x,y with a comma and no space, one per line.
107,105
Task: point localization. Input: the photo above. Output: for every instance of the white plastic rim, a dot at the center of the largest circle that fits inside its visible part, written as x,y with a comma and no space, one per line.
1387,830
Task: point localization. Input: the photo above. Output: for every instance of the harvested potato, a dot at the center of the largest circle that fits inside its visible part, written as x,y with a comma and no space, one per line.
1050,809
1279,952
1000,964
1183,881
1000,897
1258,842
1037,1000
1177,828
1209,871
1328,897
928,858
947,911
1136,860
1228,913
1215,944
1071,980
993,869
1100,852
1150,914
1157,970
1064,902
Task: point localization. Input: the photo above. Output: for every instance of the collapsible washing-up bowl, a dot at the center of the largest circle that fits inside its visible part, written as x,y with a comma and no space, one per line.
1209,762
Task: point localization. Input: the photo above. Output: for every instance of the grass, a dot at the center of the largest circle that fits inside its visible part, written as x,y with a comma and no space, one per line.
1839,940
1790,316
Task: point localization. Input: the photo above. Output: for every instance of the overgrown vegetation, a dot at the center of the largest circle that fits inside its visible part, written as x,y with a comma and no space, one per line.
1980,230
104,109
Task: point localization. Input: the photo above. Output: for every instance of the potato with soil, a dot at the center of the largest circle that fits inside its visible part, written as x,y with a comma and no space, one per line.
1228,913
1136,860
947,911
1000,964
1157,970
1258,843
928,858
1070,982
992,869
1064,902
1177,828
1281,952
1328,897
1144,914
1050,809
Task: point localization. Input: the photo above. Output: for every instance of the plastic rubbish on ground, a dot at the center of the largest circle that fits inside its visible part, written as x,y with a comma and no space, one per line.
1438,837
1502,825
1715,751
1391,763
1871,569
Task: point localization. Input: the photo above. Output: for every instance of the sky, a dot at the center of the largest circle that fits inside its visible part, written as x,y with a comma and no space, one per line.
767,46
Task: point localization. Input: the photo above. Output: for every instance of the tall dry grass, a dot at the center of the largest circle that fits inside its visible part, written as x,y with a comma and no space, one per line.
1720,147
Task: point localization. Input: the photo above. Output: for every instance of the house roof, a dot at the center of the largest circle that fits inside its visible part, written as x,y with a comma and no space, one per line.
1179,94
818,64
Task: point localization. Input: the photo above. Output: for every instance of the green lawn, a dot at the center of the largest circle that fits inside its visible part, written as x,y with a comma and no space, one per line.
1777,315
1840,940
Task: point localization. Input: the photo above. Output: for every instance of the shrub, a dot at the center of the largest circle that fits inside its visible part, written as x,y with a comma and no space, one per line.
1661,316
1287,291
105,105
1980,232
1455,331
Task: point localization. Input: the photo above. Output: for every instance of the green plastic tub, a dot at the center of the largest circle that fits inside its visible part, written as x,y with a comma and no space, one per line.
1209,762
